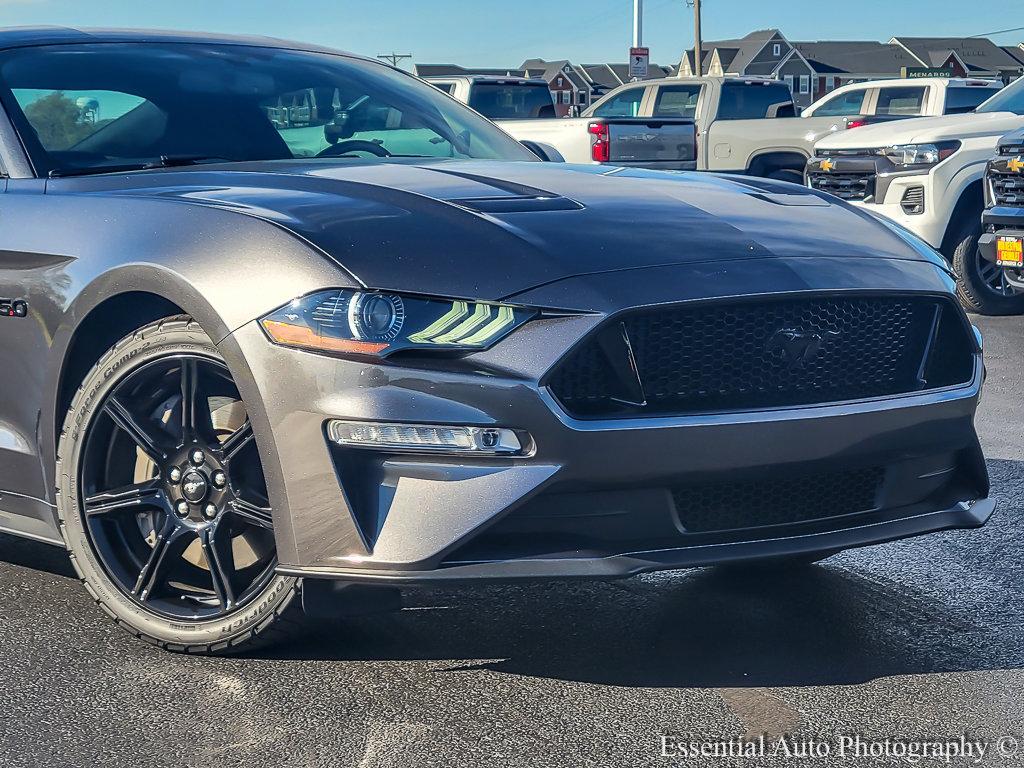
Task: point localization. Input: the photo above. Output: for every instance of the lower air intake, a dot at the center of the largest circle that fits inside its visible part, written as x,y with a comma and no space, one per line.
753,504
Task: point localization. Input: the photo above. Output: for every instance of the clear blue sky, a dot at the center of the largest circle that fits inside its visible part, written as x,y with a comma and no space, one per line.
503,33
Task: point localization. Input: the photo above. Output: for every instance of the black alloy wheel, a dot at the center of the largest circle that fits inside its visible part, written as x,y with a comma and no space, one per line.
160,478
162,497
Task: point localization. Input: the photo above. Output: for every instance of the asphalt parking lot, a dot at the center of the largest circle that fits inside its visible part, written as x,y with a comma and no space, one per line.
917,639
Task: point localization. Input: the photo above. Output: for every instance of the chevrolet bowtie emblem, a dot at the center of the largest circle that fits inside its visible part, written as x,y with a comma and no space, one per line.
1016,164
827,165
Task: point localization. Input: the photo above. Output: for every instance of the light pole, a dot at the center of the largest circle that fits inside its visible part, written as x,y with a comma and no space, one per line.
638,23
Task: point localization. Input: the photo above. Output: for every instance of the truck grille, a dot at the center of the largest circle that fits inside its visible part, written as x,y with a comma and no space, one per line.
846,186
753,354
1007,189
728,506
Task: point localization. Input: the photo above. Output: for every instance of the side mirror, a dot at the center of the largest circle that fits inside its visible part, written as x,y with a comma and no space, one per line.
545,152
799,110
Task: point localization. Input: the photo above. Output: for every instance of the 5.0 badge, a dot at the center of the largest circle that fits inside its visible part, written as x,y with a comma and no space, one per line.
13,308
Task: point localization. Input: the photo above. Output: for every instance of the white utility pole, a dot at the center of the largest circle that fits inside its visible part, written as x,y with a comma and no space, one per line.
638,23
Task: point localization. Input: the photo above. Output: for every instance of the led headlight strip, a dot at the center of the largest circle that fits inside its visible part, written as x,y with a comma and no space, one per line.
374,323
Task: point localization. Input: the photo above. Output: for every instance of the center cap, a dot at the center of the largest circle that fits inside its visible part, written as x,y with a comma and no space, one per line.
194,486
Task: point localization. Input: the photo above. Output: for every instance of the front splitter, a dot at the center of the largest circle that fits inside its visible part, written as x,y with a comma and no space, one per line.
964,515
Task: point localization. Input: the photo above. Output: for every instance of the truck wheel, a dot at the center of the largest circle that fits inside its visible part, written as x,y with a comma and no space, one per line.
787,174
981,286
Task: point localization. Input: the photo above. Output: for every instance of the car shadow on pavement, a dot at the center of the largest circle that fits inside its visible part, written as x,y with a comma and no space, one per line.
35,555
950,602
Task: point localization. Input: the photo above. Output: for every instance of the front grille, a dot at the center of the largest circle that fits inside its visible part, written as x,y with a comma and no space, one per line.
1016,148
780,352
1007,189
730,506
846,186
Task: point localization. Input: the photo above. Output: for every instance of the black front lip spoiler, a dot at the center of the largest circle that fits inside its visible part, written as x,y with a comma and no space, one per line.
963,515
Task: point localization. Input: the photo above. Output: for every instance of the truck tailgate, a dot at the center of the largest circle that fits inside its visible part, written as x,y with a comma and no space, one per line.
652,142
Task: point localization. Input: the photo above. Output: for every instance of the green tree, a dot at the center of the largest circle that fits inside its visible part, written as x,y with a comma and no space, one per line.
57,121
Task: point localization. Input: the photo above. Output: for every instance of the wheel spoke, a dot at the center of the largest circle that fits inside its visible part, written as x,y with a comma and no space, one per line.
252,513
128,498
221,561
170,544
196,418
237,440
143,435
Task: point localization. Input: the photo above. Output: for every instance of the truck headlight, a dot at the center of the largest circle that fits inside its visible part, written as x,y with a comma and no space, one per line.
919,155
347,321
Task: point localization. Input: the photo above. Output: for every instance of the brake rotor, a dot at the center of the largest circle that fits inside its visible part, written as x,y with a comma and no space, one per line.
227,416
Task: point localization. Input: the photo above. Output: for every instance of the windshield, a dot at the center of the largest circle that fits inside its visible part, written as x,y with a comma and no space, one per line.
87,108
511,101
1010,99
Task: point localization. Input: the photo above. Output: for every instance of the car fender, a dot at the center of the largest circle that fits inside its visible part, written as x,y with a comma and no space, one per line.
223,268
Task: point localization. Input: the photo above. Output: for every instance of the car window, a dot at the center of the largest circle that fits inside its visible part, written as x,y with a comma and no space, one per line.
624,104
752,101
448,88
904,100
62,119
1009,99
510,101
967,99
677,101
83,107
843,104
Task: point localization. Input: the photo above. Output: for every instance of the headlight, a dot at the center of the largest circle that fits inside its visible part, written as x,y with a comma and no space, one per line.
920,155
375,323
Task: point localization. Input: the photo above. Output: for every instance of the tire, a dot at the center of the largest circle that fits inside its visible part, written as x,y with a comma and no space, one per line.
980,292
101,536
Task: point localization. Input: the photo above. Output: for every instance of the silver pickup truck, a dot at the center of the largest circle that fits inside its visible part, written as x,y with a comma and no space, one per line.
524,108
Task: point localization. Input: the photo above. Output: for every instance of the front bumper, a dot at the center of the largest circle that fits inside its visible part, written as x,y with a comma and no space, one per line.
594,498
996,221
886,188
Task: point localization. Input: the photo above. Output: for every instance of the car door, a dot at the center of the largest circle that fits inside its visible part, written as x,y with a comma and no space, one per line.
847,104
23,345
34,283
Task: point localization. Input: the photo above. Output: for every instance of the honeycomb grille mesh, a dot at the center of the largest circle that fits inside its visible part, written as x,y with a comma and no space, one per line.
729,506
764,354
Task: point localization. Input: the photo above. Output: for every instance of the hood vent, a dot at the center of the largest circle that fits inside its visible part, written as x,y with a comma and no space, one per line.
517,204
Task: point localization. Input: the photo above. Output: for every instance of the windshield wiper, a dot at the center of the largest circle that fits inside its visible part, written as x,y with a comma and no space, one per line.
172,161
164,161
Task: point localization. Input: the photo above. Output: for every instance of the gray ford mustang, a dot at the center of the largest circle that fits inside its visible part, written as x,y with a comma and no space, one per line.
286,328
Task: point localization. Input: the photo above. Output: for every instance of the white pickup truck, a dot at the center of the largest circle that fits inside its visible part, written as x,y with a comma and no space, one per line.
927,175
884,100
745,125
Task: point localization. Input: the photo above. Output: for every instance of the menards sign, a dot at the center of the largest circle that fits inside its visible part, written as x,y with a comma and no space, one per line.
916,72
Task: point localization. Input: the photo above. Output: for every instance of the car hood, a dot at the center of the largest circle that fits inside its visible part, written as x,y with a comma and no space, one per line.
924,129
488,230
